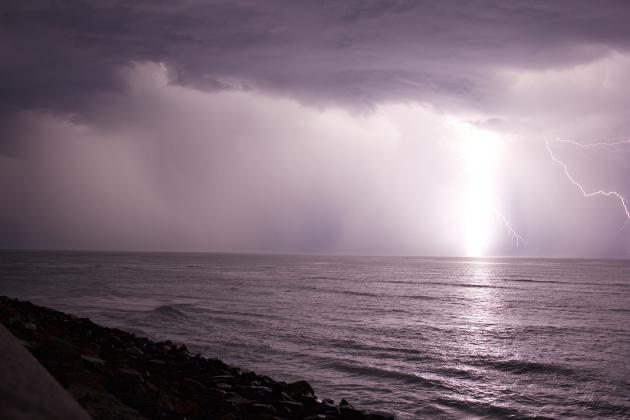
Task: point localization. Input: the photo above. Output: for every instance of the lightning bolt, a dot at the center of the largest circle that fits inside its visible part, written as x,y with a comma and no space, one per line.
593,145
624,202
513,233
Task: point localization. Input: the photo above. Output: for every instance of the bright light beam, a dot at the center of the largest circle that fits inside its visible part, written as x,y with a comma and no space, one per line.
478,150
622,199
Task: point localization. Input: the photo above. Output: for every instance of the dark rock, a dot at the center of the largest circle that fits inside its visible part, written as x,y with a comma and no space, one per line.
293,406
217,394
345,404
378,416
196,384
285,397
135,351
328,407
223,385
117,375
30,326
220,378
263,408
347,413
129,372
299,387
93,360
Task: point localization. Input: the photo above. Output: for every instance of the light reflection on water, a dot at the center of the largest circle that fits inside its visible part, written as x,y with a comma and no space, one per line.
433,337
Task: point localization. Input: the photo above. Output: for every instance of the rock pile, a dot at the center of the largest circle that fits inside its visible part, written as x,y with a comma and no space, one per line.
114,374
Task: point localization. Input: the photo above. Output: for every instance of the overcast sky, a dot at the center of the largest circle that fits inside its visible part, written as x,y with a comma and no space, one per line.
363,127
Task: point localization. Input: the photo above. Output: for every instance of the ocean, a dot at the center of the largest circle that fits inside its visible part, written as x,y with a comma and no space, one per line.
418,337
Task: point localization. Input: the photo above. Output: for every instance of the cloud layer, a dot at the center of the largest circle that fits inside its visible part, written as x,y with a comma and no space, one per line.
318,126
59,54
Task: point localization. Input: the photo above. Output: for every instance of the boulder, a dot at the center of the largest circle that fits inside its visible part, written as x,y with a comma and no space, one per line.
299,387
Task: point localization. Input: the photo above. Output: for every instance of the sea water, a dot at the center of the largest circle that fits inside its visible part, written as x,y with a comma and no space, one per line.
419,337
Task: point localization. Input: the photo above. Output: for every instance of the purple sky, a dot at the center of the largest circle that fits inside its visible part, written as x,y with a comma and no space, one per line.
364,127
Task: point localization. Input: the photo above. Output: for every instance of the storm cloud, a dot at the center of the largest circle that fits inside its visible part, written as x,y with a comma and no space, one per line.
326,126
60,54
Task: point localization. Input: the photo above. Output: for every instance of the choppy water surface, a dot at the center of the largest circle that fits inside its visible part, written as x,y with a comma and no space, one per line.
426,337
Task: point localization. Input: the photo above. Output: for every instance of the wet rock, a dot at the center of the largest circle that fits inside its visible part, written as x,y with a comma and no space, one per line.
347,413
30,326
285,397
328,407
196,384
345,404
223,386
254,391
26,344
218,394
152,387
378,416
235,398
263,408
294,406
134,351
93,360
299,387
129,372
220,378
118,375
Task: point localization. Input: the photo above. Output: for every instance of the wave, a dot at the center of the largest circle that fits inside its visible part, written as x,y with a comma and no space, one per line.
366,294
520,280
188,313
458,373
521,367
605,408
354,293
417,297
379,372
467,285
486,410
169,311
320,278
401,282
207,311
568,283
341,292
387,350
619,309
550,330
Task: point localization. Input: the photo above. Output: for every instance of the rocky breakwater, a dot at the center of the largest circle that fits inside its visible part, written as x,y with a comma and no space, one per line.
114,374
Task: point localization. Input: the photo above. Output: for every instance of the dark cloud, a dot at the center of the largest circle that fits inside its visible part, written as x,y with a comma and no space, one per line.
59,54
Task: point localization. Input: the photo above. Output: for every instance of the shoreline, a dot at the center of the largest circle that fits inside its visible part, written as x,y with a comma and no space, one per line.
114,374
